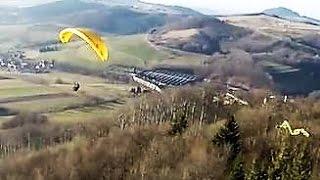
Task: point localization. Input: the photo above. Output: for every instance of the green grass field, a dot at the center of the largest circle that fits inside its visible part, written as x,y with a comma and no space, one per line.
25,91
58,101
134,50
45,105
14,83
82,115
278,68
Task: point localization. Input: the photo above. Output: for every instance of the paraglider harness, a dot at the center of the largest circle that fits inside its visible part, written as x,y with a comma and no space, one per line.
76,86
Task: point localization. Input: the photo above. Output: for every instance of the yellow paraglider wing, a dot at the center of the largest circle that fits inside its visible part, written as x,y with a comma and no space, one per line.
93,39
285,125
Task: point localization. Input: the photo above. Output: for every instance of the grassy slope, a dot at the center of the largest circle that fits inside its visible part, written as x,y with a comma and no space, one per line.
126,50
25,91
44,105
84,115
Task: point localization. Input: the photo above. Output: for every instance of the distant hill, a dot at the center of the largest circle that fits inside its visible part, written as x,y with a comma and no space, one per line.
201,34
58,8
290,15
110,19
117,20
281,12
110,16
144,7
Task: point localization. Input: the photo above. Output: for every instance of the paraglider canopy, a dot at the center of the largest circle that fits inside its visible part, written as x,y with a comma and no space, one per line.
91,38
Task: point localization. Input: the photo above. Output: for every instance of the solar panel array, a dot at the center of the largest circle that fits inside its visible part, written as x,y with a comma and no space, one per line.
164,78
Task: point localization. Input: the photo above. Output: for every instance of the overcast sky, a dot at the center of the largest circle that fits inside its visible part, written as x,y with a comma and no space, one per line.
304,7
22,3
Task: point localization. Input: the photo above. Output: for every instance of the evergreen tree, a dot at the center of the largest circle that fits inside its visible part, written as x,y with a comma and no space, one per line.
229,135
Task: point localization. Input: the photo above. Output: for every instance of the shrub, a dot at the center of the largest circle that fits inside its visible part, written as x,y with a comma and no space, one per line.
25,118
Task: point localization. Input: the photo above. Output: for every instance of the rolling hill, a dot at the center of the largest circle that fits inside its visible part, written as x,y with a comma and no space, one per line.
144,7
117,17
118,20
202,34
290,15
